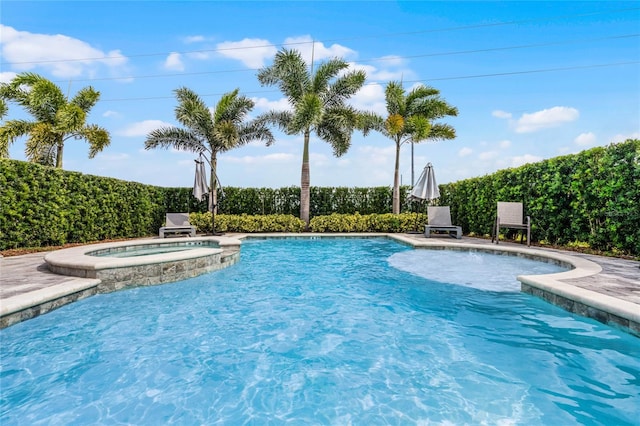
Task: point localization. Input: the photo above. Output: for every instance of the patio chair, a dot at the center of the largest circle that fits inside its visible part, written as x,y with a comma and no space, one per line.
177,223
509,215
439,219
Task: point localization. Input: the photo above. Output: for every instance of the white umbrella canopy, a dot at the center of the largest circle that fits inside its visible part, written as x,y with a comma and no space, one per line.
426,188
200,187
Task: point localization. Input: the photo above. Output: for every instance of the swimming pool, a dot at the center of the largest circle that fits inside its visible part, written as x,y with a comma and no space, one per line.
323,332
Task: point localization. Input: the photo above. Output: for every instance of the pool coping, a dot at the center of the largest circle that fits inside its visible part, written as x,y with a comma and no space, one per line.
89,275
551,288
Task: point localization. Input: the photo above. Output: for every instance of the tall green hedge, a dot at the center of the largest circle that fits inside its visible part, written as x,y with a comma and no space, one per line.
592,197
41,206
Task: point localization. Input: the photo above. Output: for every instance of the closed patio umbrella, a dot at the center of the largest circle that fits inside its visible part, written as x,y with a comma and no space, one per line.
426,188
200,187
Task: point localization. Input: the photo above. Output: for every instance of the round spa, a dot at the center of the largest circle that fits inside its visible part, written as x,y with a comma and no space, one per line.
145,262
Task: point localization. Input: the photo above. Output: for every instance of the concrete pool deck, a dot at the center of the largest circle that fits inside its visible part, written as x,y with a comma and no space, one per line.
604,288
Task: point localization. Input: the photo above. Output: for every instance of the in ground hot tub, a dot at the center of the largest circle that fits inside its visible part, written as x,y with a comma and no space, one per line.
145,262
147,249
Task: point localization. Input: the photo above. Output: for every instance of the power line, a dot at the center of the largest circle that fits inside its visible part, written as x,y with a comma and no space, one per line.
425,80
467,27
531,71
460,52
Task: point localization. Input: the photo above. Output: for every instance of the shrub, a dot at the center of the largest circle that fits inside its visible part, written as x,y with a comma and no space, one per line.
247,223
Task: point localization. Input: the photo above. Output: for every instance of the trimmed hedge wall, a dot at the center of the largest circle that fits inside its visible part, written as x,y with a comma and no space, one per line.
42,206
267,201
592,197
335,222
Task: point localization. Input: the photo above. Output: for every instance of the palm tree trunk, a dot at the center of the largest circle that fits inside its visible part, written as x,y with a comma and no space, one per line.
305,182
59,153
213,196
396,181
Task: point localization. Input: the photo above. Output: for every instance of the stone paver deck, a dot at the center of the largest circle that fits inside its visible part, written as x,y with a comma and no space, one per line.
25,281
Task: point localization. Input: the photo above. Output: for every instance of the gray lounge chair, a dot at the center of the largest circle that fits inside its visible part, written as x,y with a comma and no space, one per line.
177,223
510,215
440,220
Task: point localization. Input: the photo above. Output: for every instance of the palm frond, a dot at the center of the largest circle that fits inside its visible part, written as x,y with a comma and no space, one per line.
395,99
434,108
419,93
97,137
174,137
368,121
234,110
325,73
308,113
225,136
255,130
289,72
335,135
3,108
44,99
220,112
13,129
41,145
281,119
344,87
192,112
441,131
69,118
86,98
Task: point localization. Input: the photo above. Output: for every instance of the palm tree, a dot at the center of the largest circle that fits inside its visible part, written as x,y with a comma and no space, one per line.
318,106
209,132
410,119
56,119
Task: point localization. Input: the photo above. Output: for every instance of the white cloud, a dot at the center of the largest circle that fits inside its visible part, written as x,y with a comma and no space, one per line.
199,56
113,157
6,77
375,74
585,139
193,39
564,150
505,144
370,98
263,104
501,114
487,155
546,118
279,158
524,159
464,152
63,56
317,50
622,138
174,62
392,60
378,155
110,113
252,52
142,128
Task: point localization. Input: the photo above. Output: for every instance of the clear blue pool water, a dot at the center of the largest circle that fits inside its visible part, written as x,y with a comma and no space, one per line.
339,331
146,251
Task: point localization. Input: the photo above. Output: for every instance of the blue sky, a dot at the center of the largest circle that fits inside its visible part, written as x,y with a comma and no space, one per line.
531,80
